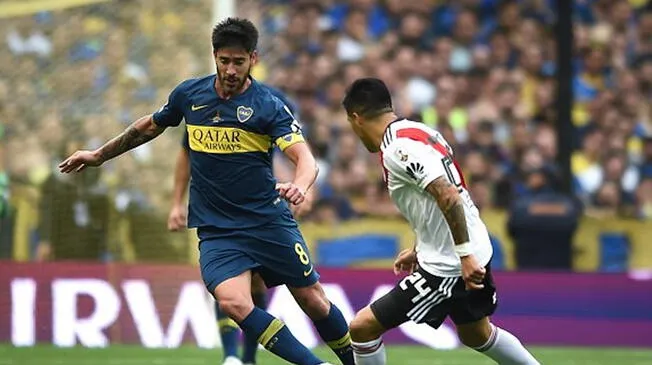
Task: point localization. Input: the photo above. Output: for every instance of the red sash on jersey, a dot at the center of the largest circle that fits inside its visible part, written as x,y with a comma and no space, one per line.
424,137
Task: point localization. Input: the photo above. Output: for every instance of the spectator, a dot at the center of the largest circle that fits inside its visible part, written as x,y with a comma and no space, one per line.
542,224
74,216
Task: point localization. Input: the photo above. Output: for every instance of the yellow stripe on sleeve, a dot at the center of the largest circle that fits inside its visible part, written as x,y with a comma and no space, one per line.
288,140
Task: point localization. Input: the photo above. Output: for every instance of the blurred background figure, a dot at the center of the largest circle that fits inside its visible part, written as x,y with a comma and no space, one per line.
74,211
481,72
542,223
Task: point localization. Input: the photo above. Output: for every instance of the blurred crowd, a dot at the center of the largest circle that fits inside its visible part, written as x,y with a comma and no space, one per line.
480,71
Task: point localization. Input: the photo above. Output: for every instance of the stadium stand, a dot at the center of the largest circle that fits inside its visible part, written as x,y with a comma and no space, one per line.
481,71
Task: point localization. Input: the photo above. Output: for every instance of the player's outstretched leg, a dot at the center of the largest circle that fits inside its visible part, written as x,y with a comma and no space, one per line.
495,343
328,320
234,297
229,332
366,337
259,294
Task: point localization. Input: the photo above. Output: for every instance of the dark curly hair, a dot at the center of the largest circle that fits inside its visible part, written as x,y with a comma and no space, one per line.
235,32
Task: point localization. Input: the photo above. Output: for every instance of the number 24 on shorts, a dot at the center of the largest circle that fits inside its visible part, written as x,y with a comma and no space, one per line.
303,257
419,283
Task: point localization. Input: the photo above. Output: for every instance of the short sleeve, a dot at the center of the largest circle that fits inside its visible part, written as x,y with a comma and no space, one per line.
284,129
413,162
171,114
185,143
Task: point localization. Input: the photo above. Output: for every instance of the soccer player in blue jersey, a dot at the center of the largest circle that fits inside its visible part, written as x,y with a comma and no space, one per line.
242,215
177,220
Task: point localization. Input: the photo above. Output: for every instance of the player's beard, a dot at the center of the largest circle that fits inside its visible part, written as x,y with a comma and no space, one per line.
234,84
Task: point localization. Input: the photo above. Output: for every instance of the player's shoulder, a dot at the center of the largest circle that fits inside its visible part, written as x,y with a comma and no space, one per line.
407,133
406,140
267,94
281,96
191,85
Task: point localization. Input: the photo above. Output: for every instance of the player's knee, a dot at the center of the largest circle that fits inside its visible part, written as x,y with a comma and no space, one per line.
365,327
474,334
313,301
237,308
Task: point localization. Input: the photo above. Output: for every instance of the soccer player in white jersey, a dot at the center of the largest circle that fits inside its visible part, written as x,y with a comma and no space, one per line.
449,267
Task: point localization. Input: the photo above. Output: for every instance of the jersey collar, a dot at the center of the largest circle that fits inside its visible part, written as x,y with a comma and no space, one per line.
389,134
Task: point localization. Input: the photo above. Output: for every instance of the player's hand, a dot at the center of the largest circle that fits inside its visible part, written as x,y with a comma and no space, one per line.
177,219
291,193
406,261
79,161
472,273
304,208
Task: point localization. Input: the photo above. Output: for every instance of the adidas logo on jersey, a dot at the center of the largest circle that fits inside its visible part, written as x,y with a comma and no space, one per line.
414,169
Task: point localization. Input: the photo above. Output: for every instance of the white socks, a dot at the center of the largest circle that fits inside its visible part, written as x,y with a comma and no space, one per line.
506,349
369,353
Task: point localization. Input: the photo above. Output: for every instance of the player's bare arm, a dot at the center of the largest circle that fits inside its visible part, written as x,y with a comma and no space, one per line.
141,131
449,201
304,175
177,218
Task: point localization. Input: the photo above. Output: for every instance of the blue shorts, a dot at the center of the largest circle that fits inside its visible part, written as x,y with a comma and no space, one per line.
276,251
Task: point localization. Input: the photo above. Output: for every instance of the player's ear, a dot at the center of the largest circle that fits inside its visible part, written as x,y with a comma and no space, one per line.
357,119
254,58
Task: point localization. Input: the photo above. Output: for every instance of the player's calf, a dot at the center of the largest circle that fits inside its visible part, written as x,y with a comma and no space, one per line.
495,343
366,332
475,334
312,300
365,327
234,297
328,320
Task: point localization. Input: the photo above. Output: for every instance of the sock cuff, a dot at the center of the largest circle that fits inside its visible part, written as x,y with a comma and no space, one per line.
272,329
369,347
226,323
491,341
342,342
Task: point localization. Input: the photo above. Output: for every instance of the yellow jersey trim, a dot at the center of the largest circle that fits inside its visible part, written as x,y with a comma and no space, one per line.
225,140
288,140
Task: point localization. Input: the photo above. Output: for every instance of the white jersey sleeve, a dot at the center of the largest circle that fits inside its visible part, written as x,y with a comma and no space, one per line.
413,162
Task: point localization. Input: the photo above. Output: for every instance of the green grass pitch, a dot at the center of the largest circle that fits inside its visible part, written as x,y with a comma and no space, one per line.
407,355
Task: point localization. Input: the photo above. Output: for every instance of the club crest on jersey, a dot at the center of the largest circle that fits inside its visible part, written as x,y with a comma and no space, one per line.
244,113
402,155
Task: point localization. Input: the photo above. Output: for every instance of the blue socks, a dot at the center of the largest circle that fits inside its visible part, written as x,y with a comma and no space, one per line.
261,327
335,332
229,333
272,333
251,342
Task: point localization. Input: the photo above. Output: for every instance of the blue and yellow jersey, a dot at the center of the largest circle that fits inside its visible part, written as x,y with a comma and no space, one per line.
274,91
232,185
